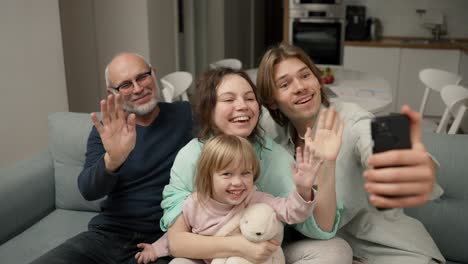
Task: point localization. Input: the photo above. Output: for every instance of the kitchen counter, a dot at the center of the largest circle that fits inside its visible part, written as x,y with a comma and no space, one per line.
415,43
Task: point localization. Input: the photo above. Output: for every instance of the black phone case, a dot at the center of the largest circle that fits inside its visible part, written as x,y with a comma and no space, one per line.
390,132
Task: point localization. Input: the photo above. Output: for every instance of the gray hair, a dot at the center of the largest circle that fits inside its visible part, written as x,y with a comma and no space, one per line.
106,71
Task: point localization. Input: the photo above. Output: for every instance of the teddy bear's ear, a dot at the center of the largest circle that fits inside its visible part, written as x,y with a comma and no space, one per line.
273,221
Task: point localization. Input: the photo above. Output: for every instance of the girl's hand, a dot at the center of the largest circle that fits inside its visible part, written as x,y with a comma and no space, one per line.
326,142
147,255
305,171
260,252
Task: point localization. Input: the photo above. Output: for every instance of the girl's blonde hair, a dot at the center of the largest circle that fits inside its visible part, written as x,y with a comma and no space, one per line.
218,153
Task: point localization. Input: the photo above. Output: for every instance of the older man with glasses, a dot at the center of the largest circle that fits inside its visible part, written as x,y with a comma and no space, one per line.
128,159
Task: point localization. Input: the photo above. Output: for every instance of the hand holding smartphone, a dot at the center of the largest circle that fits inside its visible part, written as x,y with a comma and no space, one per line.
406,184
390,132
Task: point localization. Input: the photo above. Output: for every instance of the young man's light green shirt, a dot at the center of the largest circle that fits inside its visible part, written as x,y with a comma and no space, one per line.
375,236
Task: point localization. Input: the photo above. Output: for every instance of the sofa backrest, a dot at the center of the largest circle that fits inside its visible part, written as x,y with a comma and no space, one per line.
68,135
445,217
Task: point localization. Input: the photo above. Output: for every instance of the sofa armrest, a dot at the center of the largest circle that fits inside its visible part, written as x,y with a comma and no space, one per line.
444,217
27,194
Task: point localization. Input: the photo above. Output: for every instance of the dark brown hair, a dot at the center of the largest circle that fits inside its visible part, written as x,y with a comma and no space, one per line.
266,76
206,100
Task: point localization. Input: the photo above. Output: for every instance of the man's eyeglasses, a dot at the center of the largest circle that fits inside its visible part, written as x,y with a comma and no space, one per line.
142,79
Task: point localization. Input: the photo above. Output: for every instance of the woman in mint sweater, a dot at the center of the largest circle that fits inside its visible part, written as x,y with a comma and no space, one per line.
228,104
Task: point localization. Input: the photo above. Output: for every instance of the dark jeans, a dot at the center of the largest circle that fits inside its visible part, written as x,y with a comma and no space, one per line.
291,235
98,245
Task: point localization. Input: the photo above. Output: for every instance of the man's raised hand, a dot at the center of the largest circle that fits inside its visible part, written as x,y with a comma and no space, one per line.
326,142
117,131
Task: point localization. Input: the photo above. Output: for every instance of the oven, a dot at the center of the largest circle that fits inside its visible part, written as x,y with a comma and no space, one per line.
319,30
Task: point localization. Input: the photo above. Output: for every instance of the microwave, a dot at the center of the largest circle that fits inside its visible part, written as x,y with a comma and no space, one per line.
302,3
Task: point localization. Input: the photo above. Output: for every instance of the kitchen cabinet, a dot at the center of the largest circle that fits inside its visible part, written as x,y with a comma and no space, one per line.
410,88
383,62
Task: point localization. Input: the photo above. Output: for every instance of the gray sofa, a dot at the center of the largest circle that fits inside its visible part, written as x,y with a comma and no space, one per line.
40,205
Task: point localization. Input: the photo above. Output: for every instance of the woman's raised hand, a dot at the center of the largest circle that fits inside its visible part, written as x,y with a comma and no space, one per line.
117,131
326,142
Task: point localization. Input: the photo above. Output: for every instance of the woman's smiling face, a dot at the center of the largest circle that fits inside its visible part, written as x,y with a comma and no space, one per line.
237,110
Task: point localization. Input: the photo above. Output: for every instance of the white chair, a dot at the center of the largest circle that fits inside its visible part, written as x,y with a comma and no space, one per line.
435,79
167,91
228,63
456,99
180,82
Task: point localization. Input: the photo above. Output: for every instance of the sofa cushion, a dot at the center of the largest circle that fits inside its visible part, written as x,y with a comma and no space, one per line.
43,236
444,216
68,135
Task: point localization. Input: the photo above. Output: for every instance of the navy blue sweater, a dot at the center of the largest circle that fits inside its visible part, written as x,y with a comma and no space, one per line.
134,191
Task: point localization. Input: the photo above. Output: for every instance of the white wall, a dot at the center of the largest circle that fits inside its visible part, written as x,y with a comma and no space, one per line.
209,33
163,36
31,74
95,30
121,25
399,17
80,55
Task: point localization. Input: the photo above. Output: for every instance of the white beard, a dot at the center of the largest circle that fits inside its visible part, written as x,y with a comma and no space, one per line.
142,109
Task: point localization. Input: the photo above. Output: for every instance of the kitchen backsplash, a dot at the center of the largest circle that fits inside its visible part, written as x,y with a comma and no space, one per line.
399,17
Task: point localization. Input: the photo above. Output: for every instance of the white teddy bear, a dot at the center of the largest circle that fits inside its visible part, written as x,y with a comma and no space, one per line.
258,222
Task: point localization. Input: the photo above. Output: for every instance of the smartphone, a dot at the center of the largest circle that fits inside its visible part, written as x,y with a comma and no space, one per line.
390,132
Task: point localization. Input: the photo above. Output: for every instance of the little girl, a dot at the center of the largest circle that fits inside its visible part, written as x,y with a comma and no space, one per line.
224,183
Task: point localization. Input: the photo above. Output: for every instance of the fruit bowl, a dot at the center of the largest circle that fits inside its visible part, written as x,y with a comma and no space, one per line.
328,76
